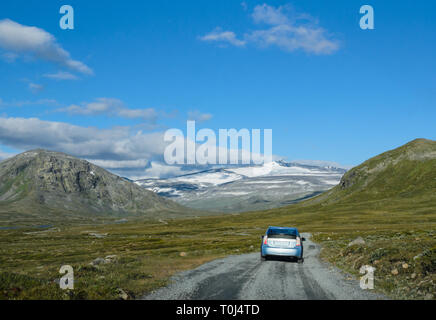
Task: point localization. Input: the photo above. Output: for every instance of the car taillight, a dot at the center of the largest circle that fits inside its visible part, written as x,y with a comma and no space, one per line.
265,239
298,242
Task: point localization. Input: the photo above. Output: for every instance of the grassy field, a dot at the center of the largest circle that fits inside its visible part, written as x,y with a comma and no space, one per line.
148,252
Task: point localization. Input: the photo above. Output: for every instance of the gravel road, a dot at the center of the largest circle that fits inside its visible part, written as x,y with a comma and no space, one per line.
246,277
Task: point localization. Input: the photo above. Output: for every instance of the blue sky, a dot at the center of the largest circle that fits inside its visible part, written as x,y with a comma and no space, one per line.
131,69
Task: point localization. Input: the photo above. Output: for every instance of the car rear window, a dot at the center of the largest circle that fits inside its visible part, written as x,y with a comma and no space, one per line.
282,233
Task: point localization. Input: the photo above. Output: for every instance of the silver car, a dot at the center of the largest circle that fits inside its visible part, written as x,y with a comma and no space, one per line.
282,242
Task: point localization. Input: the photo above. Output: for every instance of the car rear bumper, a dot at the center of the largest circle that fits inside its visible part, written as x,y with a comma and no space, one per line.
271,251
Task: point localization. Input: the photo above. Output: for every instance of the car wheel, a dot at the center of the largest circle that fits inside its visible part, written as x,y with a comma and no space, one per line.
262,258
300,260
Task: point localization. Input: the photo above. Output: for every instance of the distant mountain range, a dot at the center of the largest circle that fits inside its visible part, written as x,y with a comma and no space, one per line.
45,186
245,188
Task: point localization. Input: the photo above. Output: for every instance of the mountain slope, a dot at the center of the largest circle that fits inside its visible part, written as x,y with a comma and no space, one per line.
405,173
244,188
40,182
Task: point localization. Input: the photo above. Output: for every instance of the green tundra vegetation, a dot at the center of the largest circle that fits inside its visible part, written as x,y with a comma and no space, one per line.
389,201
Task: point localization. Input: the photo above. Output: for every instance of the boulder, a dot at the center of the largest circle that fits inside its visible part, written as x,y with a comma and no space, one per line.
98,261
358,241
122,294
111,258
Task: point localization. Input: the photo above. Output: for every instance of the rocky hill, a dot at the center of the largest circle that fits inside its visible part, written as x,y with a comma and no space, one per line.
408,172
40,183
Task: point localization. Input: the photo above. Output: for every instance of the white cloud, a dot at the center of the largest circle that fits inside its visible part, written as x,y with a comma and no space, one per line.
120,164
146,114
119,149
198,116
122,150
22,103
291,38
20,39
160,170
61,75
35,88
284,28
223,37
100,106
117,143
113,107
270,15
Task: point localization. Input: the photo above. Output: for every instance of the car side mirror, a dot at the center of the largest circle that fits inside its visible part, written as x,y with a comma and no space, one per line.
262,237
303,239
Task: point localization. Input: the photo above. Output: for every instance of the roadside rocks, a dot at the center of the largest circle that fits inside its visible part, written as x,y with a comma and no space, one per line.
111,258
418,256
99,261
98,235
122,295
358,241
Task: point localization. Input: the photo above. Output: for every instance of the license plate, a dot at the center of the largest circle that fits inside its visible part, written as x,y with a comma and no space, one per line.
281,243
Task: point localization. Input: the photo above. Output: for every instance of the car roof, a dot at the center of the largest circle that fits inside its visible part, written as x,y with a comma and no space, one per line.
287,228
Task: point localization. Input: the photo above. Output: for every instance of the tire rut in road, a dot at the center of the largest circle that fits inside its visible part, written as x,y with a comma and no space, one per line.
224,286
312,289
274,280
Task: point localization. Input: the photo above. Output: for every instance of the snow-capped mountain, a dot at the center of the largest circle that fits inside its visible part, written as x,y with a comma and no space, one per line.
244,188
